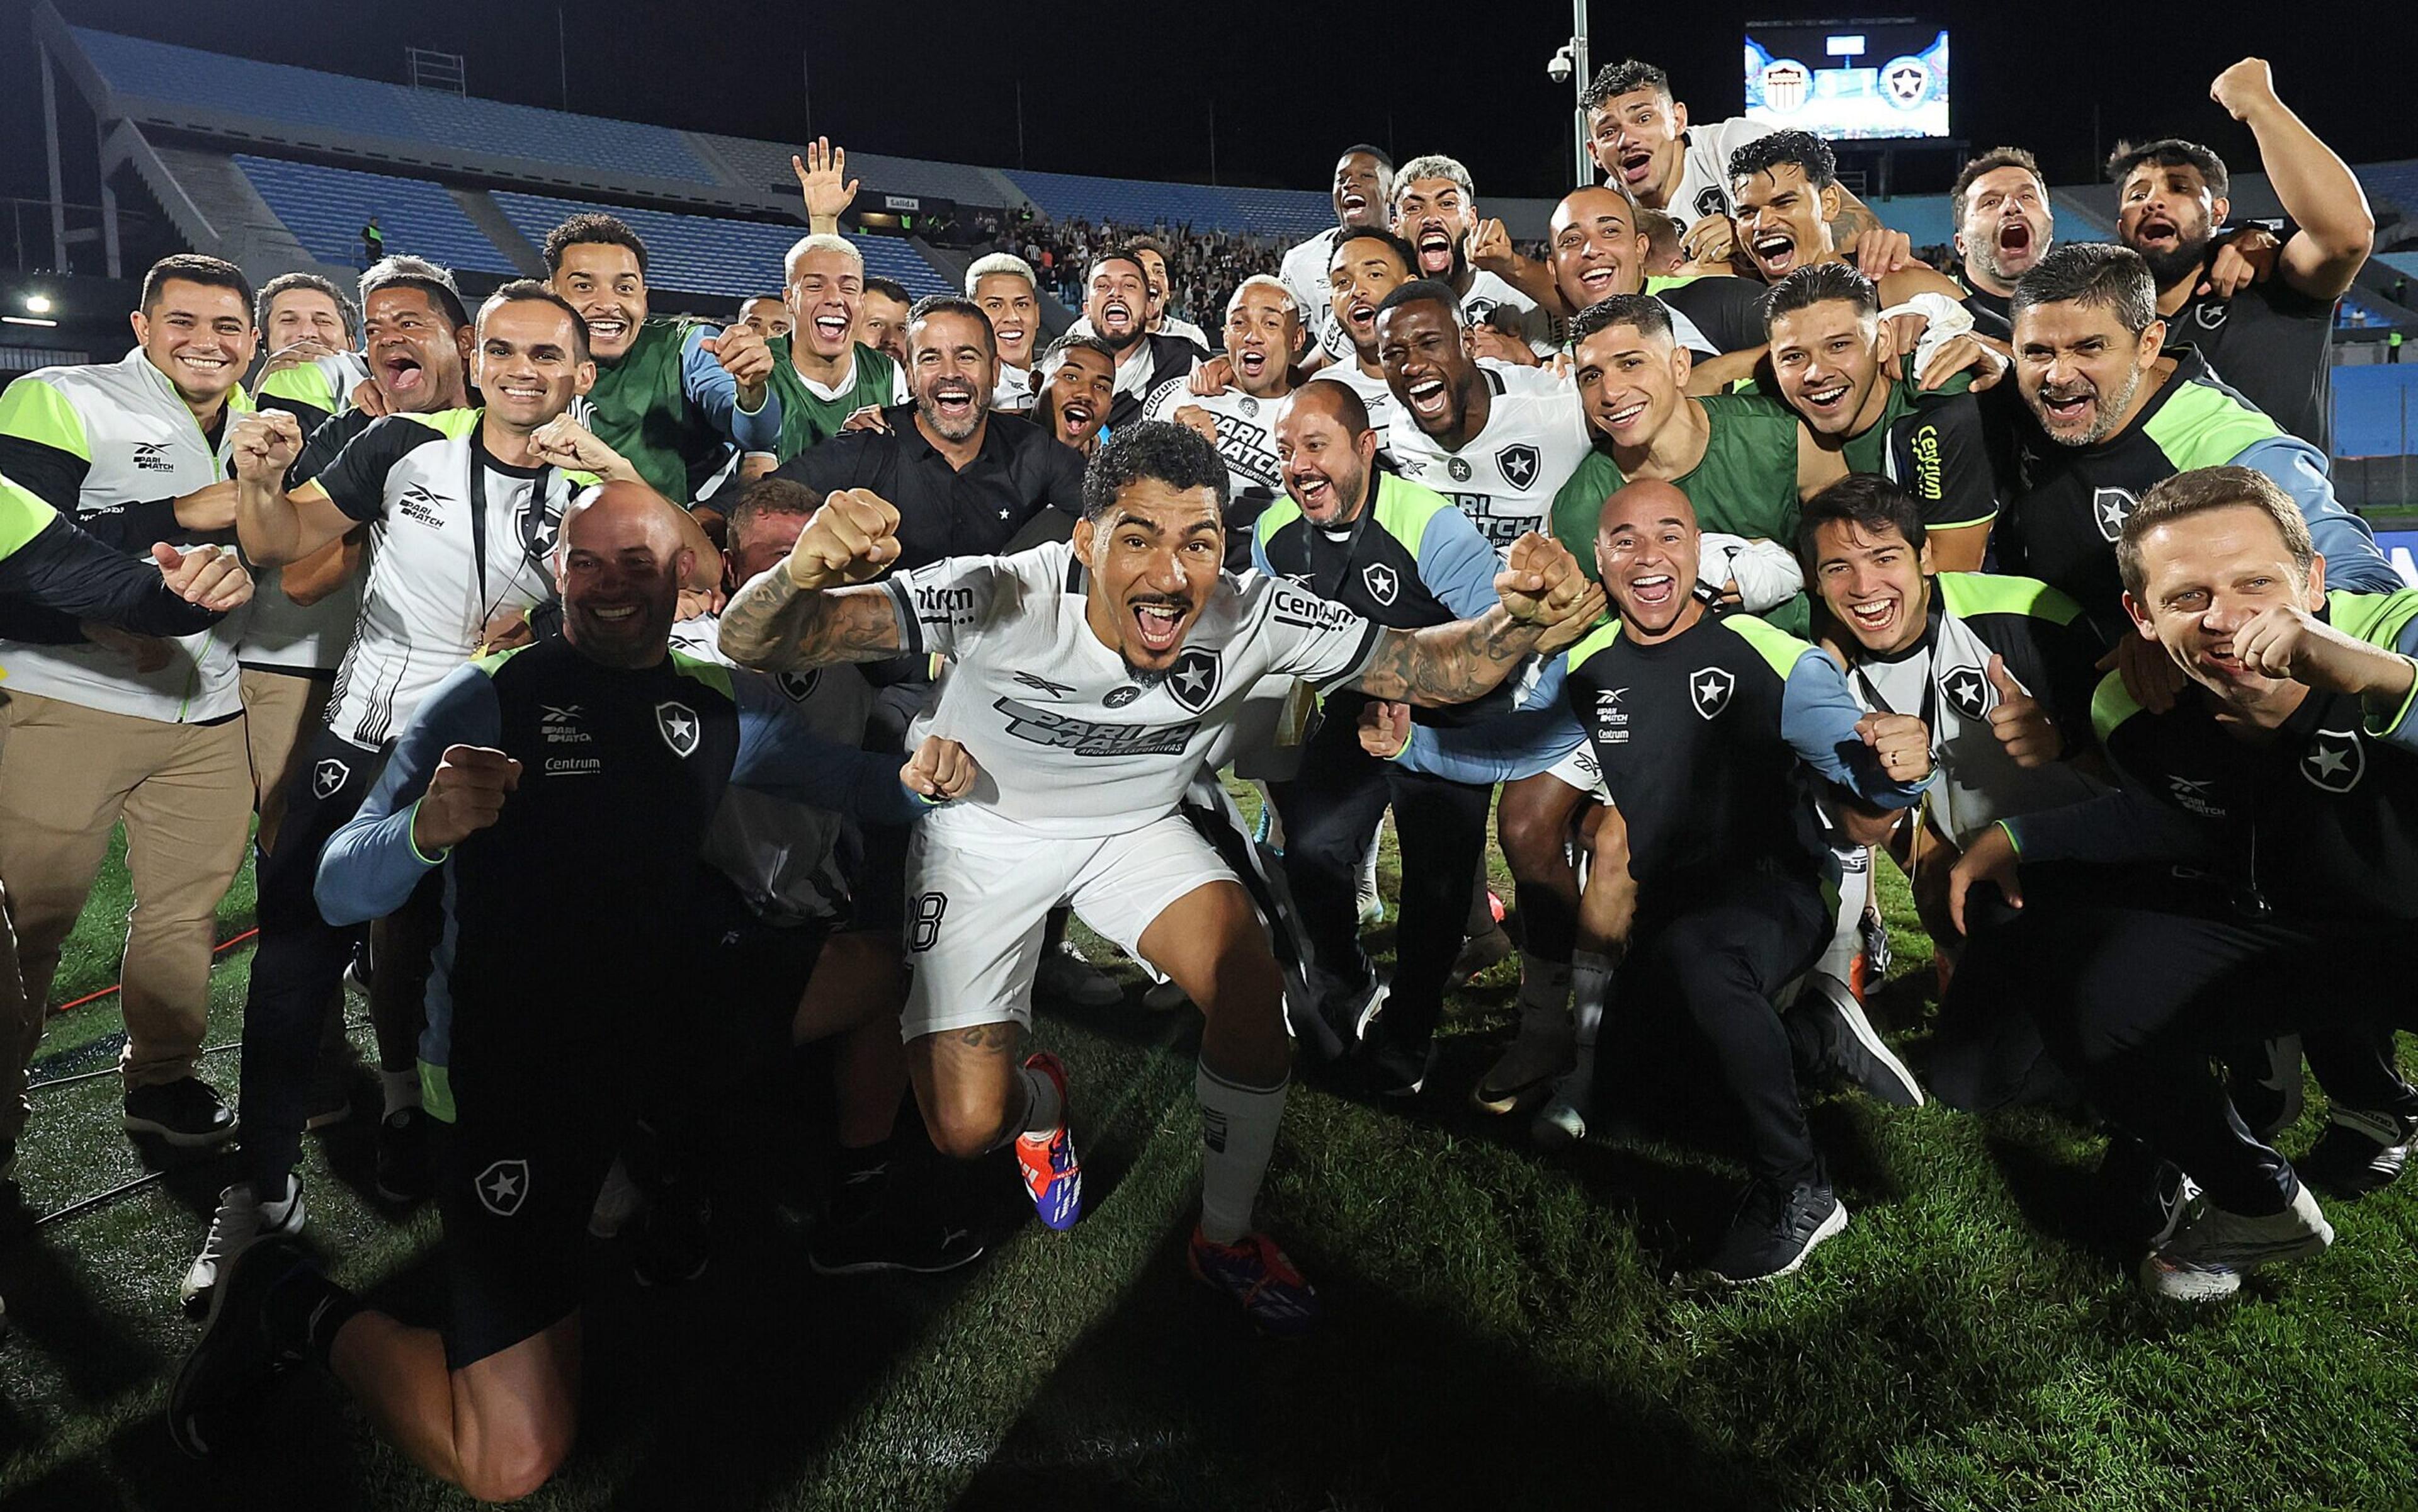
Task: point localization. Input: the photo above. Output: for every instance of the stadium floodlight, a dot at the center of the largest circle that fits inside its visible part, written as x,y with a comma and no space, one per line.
37,304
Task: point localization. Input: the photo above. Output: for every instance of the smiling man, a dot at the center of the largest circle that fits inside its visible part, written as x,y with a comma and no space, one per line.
1598,245
822,371
1089,680
1362,194
1009,294
2260,842
307,329
1079,384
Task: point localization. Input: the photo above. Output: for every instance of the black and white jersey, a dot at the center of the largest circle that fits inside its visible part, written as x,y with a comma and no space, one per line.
455,538
1013,394
1509,311
1705,176
1304,271
1505,476
1070,742
1246,438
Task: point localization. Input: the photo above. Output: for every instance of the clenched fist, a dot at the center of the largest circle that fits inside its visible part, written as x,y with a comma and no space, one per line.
2288,641
743,355
1540,583
2243,87
264,443
851,539
465,795
1385,728
941,769
1901,743
563,442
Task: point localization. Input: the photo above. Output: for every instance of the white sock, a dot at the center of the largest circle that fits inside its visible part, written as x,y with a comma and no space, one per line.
1544,986
1368,864
402,1089
1044,1109
1590,983
1238,1134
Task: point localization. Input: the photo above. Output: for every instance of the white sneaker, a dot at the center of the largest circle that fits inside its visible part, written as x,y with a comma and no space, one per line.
617,1201
1542,1052
2212,1250
1068,976
241,1220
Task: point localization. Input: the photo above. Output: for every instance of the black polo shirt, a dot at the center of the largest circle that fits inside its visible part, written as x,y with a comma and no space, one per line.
943,511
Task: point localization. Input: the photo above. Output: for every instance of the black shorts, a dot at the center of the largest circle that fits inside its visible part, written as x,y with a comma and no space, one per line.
752,976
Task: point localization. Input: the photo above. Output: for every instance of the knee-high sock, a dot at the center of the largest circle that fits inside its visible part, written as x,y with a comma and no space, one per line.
1590,985
1238,1134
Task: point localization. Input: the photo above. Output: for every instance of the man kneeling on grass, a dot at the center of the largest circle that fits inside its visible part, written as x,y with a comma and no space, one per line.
566,787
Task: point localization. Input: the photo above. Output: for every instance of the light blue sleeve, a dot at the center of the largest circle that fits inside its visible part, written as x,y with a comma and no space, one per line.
1817,718
1536,734
711,389
1456,565
778,755
1260,556
2341,536
369,866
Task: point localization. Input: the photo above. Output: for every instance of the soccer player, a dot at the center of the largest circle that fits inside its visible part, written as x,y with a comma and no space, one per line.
1839,368
2004,224
1089,680
671,396
1154,265
2271,341
2260,842
1079,386
1116,303
2000,670
105,726
1789,203
1705,725
565,790
824,373
1363,194
1435,210
1009,293
767,315
1264,336
881,318
1367,267
1598,242
1499,454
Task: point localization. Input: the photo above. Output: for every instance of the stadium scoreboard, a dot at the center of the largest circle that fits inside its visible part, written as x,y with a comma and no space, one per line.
1849,81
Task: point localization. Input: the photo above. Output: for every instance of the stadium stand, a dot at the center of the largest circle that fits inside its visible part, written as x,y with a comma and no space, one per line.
706,254
325,209
1928,220
765,165
1289,212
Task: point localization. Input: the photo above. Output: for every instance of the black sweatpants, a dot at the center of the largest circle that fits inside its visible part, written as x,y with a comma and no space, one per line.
1331,810
1719,956
2136,983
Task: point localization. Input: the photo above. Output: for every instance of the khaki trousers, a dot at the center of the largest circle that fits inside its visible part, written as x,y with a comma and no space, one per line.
281,711
67,775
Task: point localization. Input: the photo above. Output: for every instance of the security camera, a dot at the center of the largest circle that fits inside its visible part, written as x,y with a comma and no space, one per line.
1558,68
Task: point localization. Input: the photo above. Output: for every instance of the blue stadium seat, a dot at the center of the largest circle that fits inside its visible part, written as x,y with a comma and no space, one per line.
325,209
707,255
308,99
2405,262
1287,212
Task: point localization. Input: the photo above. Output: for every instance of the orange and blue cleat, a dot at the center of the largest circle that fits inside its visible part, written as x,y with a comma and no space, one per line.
1256,1274
1053,1178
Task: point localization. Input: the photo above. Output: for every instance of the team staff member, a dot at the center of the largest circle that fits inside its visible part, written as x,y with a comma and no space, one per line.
2273,340
308,331
2283,778
671,396
147,730
1704,726
2004,222
881,318
538,1043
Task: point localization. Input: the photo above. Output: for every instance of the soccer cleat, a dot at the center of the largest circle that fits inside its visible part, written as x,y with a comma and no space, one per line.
1256,1274
890,1239
1774,1231
1400,1070
224,1382
1066,975
1563,1121
1542,1052
402,1175
2358,1152
1852,1046
2143,1194
242,1220
1480,952
672,1244
2211,1249
2266,1087
1053,1178
186,1112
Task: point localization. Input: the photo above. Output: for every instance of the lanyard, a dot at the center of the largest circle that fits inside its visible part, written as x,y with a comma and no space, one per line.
532,526
1930,713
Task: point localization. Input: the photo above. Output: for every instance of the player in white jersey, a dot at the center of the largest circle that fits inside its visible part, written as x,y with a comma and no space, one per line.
1009,293
1263,338
1364,195
1435,210
1089,680
1497,451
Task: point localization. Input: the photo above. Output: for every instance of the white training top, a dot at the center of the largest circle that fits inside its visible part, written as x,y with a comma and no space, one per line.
1304,271
1070,742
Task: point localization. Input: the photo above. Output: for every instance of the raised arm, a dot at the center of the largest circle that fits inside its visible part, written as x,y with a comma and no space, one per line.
274,525
1540,587
2318,190
805,613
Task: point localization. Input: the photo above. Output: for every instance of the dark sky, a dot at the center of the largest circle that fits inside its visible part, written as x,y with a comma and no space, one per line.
1126,91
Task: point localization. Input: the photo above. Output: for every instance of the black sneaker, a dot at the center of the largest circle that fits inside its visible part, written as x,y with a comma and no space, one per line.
226,1381
2143,1194
1775,1230
1845,1041
186,1112
1400,1070
403,1174
671,1246
2358,1152
891,1237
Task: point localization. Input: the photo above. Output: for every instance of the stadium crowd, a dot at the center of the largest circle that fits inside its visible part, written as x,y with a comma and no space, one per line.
559,662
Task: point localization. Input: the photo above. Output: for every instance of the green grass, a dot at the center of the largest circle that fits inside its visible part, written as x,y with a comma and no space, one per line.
1502,1329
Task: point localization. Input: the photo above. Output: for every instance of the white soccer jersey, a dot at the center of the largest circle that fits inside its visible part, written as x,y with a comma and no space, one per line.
1705,176
1070,744
1304,271
1488,294
1506,478
1013,393
781,855
1246,433
438,572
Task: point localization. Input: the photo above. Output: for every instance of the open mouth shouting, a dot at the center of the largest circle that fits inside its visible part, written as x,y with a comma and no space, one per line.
1116,315
1636,167
1158,623
831,330
1252,362
1654,590
2068,408
1428,402
2014,238
404,375
2157,232
1774,251
1436,249
1355,203
954,404
1074,421
1874,619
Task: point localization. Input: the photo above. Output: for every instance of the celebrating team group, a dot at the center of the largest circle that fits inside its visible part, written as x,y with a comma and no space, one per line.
624,701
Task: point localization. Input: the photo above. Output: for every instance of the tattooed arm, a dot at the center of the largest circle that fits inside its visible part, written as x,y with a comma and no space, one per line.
1541,589
803,612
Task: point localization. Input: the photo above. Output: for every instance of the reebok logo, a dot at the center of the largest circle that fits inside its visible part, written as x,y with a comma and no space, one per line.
152,456
421,507
561,726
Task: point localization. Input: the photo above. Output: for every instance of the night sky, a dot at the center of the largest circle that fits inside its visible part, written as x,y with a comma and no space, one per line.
1127,90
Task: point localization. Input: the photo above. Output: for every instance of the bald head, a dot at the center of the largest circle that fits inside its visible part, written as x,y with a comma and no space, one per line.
1646,501
1326,447
620,514
620,562
1338,402
1645,545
